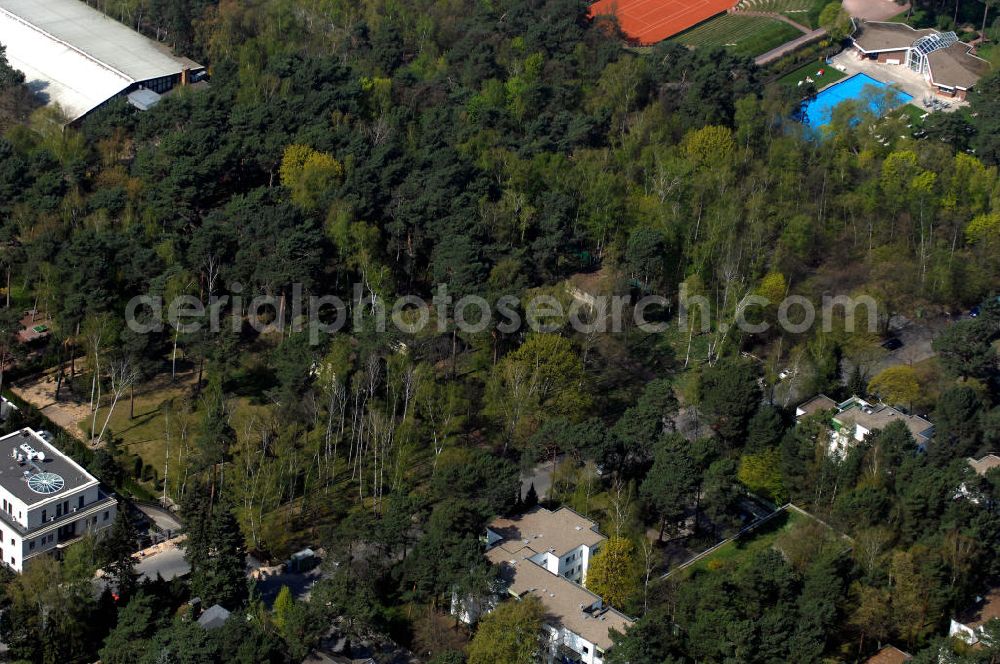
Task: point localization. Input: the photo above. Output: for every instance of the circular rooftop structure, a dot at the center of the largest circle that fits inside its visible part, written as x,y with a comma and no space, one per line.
45,483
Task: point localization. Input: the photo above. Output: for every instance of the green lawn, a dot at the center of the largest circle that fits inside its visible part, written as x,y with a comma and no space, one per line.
805,12
145,435
991,53
830,75
898,18
910,110
731,554
743,35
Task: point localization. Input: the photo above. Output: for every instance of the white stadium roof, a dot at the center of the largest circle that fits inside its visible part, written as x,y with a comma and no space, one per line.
74,55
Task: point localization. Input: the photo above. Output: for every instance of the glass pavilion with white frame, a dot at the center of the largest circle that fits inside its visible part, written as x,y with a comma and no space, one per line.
916,56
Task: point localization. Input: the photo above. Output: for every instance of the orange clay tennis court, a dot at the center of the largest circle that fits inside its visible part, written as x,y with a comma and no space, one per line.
650,21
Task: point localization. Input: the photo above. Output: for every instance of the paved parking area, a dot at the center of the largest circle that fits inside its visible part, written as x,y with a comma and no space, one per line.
168,563
874,10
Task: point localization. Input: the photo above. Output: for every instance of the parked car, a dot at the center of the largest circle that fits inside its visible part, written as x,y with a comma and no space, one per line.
892,343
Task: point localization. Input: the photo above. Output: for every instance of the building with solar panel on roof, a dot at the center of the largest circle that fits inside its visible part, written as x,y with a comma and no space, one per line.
48,500
949,67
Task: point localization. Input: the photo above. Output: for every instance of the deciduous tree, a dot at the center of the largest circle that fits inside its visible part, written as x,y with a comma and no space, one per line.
612,572
510,634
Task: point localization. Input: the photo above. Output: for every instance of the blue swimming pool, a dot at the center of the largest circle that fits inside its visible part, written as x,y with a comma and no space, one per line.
879,96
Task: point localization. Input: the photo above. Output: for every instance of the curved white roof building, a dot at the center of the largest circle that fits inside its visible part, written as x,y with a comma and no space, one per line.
75,56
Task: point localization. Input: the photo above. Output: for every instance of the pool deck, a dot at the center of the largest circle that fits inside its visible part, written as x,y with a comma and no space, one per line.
819,108
908,81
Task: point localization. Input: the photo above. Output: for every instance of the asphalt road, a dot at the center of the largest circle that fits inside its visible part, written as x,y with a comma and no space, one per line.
541,477
169,564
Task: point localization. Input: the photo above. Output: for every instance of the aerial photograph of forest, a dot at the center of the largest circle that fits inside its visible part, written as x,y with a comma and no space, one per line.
500,331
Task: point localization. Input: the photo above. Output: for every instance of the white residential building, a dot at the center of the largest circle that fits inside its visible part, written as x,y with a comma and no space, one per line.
546,554
564,540
946,63
855,418
47,500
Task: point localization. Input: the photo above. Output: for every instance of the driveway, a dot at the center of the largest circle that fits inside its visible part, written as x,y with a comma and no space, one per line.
541,477
168,563
165,559
874,10
916,335
300,583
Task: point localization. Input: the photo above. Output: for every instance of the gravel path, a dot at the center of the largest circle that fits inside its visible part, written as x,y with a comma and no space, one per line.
788,47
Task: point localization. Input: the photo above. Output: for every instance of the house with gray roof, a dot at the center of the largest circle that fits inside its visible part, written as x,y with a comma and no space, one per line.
949,66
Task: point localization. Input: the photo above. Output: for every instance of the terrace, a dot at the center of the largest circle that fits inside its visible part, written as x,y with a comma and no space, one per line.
907,80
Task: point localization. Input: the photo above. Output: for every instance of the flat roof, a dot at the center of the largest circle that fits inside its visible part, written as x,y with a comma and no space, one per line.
889,655
875,36
14,475
562,530
986,464
564,600
956,67
816,404
881,416
74,55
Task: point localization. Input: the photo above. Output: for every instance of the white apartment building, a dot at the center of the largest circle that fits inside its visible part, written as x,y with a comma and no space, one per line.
546,554
47,500
563,539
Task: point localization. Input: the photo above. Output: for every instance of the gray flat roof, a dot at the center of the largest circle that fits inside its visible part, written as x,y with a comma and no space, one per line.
956,67
12,473
74,55
875,36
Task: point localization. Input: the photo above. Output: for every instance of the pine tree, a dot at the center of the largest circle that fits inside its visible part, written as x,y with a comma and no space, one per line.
116,549
218,560
530,498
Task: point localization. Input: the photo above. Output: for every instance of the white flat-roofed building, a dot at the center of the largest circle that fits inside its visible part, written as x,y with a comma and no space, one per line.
565,541
855,418
46,499
546,554
75,56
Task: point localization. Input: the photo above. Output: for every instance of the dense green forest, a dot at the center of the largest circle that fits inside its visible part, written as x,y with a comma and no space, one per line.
501,148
